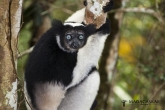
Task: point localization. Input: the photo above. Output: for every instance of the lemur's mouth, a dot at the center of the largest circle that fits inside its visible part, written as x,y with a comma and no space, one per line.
75,46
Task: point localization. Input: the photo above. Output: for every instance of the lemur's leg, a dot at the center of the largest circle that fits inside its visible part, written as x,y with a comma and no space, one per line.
47,96
82,96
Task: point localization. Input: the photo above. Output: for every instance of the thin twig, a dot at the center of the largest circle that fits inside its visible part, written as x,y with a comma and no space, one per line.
141,10
25,52
156,4
158,90
52,7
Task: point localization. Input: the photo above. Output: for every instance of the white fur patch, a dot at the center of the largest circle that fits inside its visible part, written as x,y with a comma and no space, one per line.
49,96
58,42
73,24
77,17
88,57
82,96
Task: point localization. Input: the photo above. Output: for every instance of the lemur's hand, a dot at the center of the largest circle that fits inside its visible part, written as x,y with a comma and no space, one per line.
108,6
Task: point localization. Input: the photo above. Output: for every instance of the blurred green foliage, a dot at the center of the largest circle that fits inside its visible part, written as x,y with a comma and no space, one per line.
140,69
141,61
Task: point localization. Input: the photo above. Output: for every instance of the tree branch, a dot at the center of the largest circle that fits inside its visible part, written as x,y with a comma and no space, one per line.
157,91
142,10
25,52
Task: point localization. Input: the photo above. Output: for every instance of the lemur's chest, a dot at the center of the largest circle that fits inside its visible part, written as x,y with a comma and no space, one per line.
87,58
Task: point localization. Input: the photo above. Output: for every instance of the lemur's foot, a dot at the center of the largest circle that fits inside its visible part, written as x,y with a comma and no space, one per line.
109,6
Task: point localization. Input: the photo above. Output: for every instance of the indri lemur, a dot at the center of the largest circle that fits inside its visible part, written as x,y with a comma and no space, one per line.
61,71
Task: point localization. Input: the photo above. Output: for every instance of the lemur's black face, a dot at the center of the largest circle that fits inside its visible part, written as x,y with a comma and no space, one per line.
72,36
74,39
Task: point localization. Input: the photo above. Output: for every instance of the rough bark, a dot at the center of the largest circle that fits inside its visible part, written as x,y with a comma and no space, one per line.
10,17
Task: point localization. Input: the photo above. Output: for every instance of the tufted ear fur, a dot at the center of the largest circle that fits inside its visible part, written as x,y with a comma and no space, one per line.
57,26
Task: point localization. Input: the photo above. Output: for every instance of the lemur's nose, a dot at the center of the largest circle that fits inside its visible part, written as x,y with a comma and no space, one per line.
75,45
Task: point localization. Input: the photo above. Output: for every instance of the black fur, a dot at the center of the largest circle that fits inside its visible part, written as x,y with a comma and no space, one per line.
48,62
94,105
105,28
88,29
70,22
109,6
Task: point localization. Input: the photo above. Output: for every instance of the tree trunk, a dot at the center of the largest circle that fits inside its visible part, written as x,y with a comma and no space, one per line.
108,61
10,17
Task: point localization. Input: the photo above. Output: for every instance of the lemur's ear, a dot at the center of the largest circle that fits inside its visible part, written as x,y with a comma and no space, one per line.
90,29
57,26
